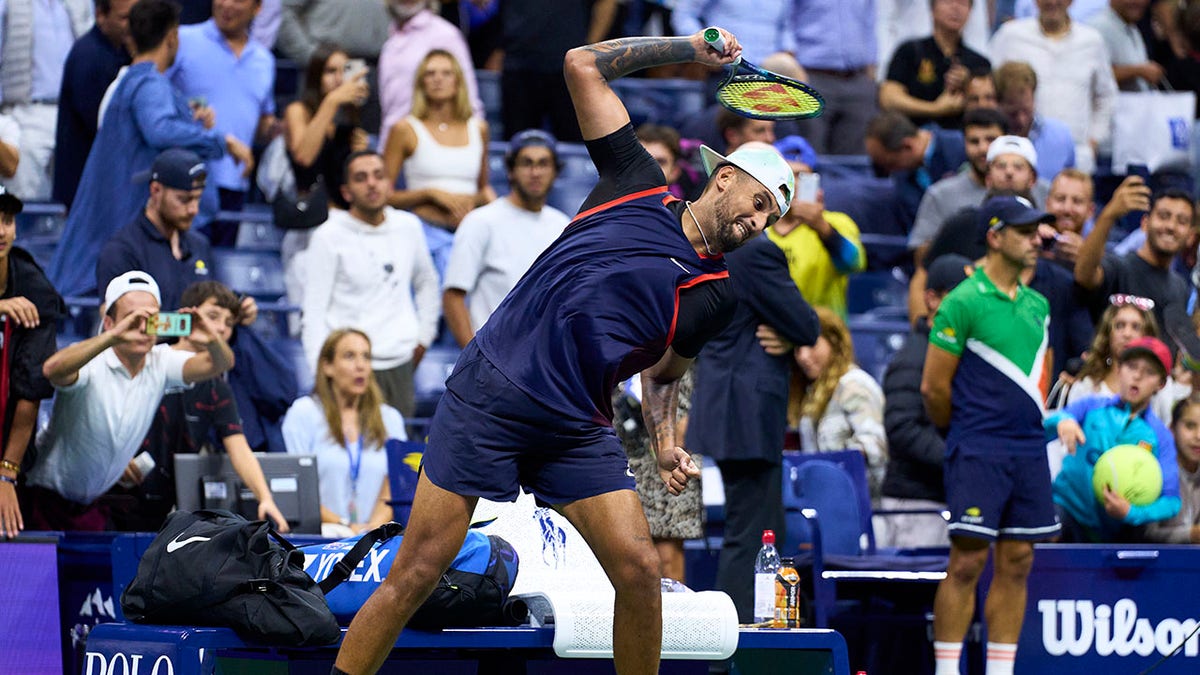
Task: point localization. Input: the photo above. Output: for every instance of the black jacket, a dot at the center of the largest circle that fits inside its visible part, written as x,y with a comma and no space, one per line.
739,405
915,448
29,347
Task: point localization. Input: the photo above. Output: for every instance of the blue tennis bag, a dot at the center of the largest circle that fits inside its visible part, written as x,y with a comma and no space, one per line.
473,592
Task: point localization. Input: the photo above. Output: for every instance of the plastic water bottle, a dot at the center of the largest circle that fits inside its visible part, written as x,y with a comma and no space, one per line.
765,567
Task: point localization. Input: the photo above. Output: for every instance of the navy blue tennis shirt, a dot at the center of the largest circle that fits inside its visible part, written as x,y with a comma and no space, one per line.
611,294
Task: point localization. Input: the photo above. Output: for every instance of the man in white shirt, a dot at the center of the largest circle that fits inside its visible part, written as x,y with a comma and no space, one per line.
496,244
1072,66
369,268
108,390
1131,64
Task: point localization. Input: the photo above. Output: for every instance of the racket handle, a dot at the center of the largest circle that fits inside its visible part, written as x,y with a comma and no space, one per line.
714,39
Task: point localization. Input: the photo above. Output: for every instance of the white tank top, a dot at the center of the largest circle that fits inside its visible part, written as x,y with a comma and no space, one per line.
453,168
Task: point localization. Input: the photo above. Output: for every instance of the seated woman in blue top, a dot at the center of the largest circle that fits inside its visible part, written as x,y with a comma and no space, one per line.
345,424
1089,427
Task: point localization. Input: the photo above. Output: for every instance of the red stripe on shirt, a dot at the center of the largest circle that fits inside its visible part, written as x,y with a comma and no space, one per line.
619,200
688,284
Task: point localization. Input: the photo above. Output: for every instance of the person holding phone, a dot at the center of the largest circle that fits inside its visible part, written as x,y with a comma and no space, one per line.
322,128
823,247
187,422
108,389
1146,272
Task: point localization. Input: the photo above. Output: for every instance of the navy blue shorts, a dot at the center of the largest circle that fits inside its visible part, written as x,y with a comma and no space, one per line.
488,437
999,496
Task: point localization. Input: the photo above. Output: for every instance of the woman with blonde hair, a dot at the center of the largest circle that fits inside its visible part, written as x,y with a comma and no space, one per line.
1127,318
842,406
345,423
441,147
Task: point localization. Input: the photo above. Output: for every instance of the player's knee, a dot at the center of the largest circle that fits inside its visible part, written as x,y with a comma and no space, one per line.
1014,562
967,565
639,573
417,577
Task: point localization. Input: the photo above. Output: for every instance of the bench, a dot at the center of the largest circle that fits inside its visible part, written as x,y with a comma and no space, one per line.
130,649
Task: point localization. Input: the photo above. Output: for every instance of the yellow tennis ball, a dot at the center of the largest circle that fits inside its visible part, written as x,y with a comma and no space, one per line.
1131,471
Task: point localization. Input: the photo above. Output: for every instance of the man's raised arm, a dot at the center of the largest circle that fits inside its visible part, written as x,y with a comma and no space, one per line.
590,68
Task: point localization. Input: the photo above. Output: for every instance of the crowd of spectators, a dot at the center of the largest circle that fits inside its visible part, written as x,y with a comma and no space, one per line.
146,120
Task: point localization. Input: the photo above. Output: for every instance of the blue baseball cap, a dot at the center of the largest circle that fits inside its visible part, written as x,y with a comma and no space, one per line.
529,138
177,169
797,149
1000,212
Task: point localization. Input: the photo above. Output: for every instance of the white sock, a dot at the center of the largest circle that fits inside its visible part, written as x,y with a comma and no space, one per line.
1000,658
946,656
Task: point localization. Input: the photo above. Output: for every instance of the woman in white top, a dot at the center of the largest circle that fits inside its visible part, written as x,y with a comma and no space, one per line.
441,147
1126,319
346,424
842,408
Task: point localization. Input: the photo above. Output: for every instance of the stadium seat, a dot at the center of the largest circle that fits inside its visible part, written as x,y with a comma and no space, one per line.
40,221
577,163
660,101
497,171
490,95
257,273
257,236
568,194
876,340
292,350
430,378
402,476
874,290
842,538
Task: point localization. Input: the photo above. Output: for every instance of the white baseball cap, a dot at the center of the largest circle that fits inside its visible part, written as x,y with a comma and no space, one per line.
761,161
128,282
1013,145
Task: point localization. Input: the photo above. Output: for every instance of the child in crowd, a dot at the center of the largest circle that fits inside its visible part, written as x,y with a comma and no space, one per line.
1089,427
1184,528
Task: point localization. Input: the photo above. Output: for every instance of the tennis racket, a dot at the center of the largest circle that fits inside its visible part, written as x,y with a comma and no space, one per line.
760,94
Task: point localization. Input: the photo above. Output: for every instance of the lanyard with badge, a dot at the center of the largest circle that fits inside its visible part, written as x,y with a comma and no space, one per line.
355,467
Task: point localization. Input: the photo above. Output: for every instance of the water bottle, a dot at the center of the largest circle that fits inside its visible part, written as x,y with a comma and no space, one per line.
765,567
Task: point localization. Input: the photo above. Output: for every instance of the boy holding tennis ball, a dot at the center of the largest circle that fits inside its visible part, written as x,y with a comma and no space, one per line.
1089,427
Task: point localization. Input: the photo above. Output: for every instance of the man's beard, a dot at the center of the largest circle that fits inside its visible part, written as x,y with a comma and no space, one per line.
725,236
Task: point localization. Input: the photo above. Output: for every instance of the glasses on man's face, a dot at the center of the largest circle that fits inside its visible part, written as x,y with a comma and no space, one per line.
1124,299
531,164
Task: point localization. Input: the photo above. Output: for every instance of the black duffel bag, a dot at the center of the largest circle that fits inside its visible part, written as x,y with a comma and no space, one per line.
215,568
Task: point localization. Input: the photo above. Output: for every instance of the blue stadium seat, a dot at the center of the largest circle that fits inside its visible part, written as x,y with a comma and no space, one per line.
41,248
257,273
577,163
40,220
877,289
430,378
490,95
876,340
259,236
568,194
403,460
660,101
497,171
829,504
292,350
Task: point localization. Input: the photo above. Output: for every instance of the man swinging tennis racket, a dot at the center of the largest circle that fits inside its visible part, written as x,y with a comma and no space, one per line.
636,283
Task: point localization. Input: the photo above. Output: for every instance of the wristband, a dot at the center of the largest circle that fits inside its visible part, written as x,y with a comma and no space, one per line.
6,479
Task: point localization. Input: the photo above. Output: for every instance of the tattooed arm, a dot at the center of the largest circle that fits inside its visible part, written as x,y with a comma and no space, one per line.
590,68
660,401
